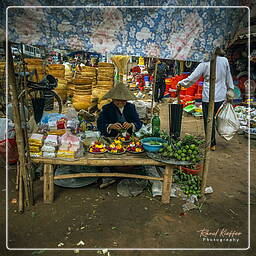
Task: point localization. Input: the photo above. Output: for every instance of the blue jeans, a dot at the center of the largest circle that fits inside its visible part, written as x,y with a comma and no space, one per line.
205,115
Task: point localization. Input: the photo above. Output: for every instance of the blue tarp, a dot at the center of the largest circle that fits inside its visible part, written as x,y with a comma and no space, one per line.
165,31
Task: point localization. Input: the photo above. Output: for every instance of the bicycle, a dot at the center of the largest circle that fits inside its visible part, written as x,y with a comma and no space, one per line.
41,89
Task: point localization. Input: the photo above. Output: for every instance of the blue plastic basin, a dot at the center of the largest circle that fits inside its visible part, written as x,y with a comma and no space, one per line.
152,148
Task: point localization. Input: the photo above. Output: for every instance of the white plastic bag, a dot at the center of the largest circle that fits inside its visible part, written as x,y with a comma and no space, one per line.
227,123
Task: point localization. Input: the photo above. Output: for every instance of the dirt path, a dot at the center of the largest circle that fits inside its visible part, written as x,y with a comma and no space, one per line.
102,219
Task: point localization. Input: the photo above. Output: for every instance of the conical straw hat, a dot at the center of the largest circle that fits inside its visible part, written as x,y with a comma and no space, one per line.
119,92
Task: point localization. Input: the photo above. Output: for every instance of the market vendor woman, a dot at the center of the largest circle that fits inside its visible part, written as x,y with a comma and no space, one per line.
119,114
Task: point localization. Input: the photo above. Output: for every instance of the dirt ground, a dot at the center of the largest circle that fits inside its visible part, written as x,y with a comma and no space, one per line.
103,219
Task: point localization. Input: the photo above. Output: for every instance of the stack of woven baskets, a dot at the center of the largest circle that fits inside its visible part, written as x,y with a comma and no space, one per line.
87,72
82,85
82,98
58,71
36,64
105,81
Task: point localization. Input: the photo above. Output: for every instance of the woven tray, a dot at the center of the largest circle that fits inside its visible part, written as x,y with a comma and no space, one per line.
167,161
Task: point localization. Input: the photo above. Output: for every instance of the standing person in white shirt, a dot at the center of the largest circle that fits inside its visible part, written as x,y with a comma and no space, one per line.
223,86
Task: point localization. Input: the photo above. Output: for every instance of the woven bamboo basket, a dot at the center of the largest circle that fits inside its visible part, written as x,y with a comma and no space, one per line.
31,61
105,83
70,89
56,73
39,68
62,93
84,81
86,69
106,69
105,64
82,92
83,87
105,78
56,67
62,84
103,103
81,102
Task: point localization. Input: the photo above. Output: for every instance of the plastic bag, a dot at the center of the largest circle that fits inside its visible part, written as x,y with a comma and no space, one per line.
51,116
10,129
227,123
131,187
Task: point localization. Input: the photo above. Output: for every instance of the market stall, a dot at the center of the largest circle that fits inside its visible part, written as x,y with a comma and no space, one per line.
147,42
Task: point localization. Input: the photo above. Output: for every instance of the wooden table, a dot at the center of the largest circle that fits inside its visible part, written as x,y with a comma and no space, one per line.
105,159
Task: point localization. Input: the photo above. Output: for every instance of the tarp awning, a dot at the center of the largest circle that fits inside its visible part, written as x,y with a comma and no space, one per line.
181,33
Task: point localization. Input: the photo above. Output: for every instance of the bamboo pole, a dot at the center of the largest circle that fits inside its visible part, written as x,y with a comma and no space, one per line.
112,174
209,122
18,129
25,132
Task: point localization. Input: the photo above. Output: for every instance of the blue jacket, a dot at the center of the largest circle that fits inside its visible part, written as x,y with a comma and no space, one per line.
108,115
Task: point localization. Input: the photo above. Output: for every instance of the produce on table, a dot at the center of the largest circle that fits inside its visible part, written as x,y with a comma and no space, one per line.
190,184
124,139
153,142
186,149
135,146
123,136
116,147
97,147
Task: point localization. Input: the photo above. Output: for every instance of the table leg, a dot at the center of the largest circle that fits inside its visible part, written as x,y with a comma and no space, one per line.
167,183
48,183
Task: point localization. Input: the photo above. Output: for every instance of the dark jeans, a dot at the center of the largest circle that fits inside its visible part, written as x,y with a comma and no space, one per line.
205,114
159,89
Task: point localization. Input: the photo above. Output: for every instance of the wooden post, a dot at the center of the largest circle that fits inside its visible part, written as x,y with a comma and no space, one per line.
48,183
167,183
153,89
209,122
18,129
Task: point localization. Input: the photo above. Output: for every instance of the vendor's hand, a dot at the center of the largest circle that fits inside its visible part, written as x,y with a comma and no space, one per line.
116,126
127,125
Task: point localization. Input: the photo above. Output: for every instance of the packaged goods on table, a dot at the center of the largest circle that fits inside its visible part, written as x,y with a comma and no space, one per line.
36,139
34,149
49,154
50,145
69,139
70,146
51,140
50,149
36,154
35,143
72,124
